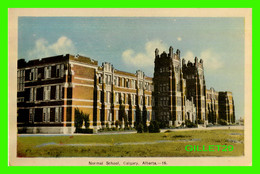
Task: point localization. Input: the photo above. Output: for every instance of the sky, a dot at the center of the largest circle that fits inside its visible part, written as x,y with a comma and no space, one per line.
129,43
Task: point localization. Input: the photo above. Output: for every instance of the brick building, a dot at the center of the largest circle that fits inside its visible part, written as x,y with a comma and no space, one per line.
50,89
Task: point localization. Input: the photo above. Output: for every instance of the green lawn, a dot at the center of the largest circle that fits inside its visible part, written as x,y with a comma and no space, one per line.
132,145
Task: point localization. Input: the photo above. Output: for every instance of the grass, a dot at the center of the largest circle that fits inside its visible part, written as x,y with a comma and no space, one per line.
170,144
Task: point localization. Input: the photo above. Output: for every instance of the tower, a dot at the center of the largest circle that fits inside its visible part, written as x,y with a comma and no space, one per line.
169,87
196,86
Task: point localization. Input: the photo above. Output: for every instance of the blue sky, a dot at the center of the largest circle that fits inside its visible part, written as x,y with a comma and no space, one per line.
129,43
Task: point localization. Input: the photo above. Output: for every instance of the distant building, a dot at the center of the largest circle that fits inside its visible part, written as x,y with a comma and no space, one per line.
50,89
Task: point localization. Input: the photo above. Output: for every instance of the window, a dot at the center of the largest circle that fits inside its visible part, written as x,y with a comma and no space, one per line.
44,115
52,114
160,87
53,92
58,71
123,82
31,114
20,99
167,87
38,117
27,74
127,83
53,71
39,93
32,75
148,115
100,79
20,80
109,79
118,81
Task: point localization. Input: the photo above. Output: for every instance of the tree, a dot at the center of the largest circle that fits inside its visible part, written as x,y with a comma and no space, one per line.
78,119
86,120
130,114
144,118
138,115
122,114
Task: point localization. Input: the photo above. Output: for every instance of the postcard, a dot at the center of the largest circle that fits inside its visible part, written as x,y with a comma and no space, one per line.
130,87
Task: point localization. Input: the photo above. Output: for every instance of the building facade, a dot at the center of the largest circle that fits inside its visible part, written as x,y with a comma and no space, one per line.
180,92
50,89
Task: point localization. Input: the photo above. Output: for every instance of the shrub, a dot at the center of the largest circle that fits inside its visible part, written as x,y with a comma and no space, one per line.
118,123
162,124
222,122
84,131
200,121
154,127
114,128
78,118
140,128
86,120
189,123
151,127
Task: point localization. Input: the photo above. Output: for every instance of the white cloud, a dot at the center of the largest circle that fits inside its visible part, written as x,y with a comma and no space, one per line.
179,38
146,58
42,48
211,60
189,55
